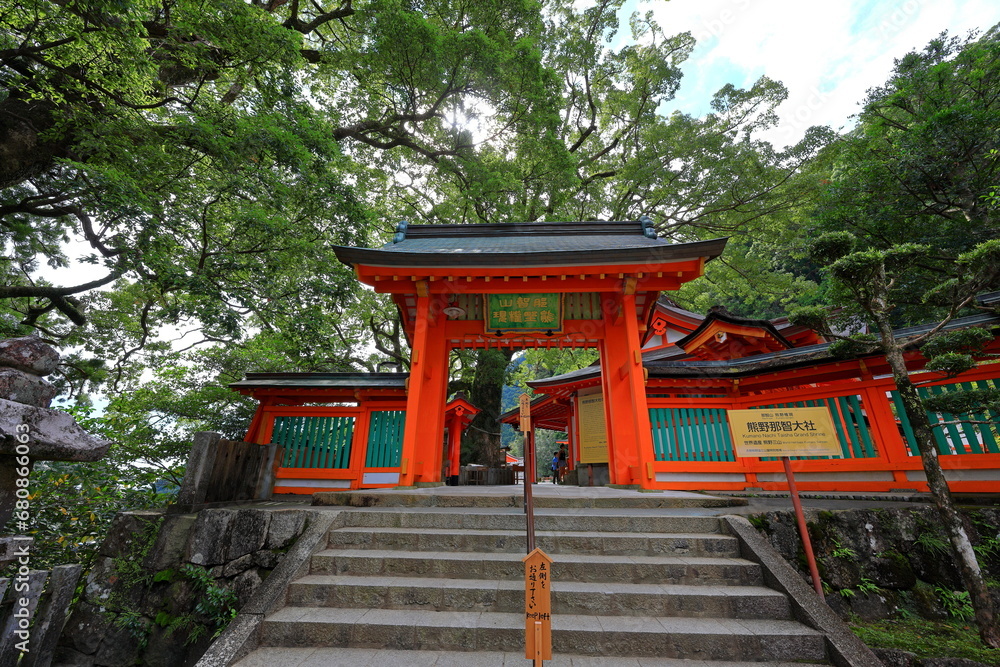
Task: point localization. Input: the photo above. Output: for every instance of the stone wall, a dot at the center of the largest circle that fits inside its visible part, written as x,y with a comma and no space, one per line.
881,563
164,584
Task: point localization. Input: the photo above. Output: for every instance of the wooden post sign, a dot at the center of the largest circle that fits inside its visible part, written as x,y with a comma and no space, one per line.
524,402
537,606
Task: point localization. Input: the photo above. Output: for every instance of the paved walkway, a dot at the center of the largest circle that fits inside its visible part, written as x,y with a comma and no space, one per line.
756,503
366,657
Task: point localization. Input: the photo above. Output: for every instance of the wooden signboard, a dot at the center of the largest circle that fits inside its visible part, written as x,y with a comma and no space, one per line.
593,429
524,403
537,606
523,312
784,432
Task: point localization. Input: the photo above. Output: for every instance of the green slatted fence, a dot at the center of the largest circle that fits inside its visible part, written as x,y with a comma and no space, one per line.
385,439
691,434
314,442
848,420
954,438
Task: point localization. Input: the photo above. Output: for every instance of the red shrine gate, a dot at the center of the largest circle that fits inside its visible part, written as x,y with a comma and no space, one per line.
580,284
654,410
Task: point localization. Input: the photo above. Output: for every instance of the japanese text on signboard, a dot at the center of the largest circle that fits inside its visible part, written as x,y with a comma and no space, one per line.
524,312
537,606
784,432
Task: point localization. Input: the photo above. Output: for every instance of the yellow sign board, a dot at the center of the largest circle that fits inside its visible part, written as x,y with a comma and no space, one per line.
784,432
593,429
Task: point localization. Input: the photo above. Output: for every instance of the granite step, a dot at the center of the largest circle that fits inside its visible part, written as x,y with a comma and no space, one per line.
688,638
515,498
552,542
691,570
372,657
457,520
568,597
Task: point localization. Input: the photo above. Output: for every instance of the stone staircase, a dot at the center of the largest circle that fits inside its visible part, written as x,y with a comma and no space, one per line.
437,586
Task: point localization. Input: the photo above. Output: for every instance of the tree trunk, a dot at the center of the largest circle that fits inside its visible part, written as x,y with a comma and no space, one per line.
965,556
481,442
24,150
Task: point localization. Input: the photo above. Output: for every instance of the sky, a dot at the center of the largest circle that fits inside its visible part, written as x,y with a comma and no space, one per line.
827,54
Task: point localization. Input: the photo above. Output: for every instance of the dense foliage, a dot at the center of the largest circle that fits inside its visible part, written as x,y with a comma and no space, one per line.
911,200
201,164
173,176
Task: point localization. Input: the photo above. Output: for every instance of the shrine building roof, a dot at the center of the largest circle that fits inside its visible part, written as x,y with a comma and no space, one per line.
323,380
659,363
528,244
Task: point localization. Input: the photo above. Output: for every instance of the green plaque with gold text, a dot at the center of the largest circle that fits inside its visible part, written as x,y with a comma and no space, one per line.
523,312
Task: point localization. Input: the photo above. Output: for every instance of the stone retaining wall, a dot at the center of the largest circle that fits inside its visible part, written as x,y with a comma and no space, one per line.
877,563
164,584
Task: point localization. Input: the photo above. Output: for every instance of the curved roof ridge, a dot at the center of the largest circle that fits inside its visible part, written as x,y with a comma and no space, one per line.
720,314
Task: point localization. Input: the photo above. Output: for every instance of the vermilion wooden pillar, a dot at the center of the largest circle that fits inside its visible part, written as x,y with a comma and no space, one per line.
889,442
424,432
630,438
572,435
256,431
455,443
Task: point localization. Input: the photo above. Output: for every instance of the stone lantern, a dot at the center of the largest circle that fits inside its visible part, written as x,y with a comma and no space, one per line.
29,430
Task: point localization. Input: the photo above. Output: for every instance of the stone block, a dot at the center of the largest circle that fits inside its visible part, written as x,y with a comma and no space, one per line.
167,648
51,614
245,584
892,571
247,532
180,598
937,568
208,538
67,657
13,547
121,646
891,657
408,596
360,597
168,550
266,559
101,580
232,568
53,435
85,628
950,662
21,387
29,354
872,607
840,572
284,528
194,486
125,530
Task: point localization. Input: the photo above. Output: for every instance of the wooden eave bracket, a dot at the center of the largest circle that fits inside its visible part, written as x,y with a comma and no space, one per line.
628,288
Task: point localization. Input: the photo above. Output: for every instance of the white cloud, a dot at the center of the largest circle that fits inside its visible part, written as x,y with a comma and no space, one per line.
827,54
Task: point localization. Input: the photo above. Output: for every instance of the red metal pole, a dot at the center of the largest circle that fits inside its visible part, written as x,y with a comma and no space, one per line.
803,529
